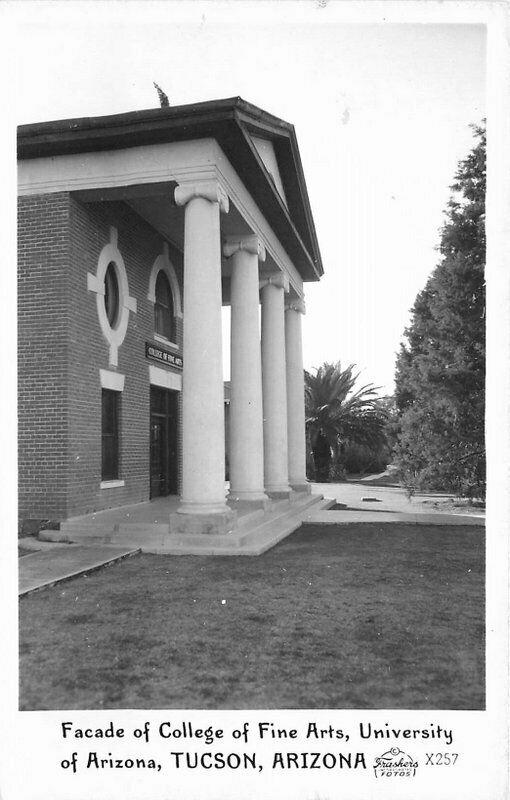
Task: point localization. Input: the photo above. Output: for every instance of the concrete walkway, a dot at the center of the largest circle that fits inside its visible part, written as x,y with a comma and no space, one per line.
55,564
371,503
350,517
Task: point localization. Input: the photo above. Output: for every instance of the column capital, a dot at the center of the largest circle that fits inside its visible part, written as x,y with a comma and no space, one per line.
296,305
250,243
278,279
209,190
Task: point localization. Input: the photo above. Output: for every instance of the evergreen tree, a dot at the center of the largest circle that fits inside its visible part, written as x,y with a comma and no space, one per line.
440,370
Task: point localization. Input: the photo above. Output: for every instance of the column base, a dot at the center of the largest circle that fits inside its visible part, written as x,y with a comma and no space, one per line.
301,487
252,499
187,522
202,508
279,494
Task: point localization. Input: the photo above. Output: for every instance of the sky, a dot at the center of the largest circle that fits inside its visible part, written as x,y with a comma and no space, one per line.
381,111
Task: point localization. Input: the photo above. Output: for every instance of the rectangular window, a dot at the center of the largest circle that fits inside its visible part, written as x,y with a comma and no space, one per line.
110,423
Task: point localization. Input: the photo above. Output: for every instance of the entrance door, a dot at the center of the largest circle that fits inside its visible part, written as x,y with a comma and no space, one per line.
163,442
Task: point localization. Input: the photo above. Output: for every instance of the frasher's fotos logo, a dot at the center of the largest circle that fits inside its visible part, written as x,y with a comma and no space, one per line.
395,764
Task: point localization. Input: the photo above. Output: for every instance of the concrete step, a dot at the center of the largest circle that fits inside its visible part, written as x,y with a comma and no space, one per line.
95,535
97,532
79,529
255,531
141,528
250,518
281,520
275,526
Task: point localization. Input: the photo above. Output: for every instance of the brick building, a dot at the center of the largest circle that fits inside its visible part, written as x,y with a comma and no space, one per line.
134,229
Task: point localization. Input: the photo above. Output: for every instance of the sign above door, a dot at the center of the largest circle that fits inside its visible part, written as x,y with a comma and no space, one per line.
157,353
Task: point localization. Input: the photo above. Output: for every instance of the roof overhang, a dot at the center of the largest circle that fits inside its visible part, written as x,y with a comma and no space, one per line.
232,122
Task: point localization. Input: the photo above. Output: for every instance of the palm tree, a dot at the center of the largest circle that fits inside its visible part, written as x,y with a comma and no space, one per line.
336,414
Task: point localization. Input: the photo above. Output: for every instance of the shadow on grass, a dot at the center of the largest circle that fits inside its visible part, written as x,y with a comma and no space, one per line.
367,507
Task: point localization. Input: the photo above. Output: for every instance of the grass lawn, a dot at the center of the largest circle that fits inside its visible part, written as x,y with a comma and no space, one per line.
361,616
26,551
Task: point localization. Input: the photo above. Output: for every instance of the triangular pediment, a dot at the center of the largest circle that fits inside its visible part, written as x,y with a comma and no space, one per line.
266,151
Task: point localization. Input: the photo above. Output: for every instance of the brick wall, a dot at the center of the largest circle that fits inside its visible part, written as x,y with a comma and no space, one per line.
43,315
60,242
139,245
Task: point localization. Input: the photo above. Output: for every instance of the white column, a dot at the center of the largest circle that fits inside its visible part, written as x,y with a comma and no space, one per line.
295,396
274,384
246,451
203,432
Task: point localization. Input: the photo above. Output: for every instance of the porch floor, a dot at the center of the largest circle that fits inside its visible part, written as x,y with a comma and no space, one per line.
147,526
151,512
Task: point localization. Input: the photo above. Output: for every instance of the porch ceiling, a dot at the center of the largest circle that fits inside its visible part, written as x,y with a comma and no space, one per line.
154,203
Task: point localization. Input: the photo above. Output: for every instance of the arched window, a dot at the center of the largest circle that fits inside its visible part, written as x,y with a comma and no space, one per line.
164,307
111,294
